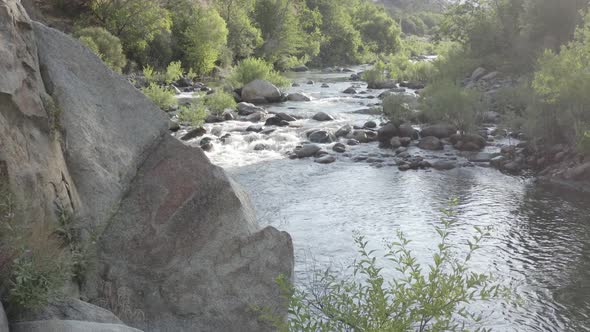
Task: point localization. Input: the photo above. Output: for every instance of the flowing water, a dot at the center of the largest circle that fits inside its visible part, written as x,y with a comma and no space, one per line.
540,243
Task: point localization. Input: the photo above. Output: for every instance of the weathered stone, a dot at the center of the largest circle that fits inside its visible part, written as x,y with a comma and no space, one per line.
343,131
350,91
321,136
261,91
69,326
480,157
406,130
370,124
67,309
276,121
395,143
327,159
195,132
387,132
352,142
321,116
307,150
477,74
438,131
248,108
255,128
196,258
3,319
298,96
468,142
285,116
339,147
405,141
430,143
255,117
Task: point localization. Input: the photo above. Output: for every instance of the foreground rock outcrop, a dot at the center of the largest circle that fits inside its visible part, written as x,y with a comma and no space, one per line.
178,241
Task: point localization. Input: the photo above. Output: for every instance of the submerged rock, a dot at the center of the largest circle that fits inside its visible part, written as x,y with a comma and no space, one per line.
298,96
339,147
307,150
321,136
327,159
195,132
438,131
248,108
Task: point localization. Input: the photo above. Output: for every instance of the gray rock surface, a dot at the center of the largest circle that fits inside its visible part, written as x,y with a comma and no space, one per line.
307,150
69,309
321,136
185,246
298,96
248,108
69,326
261,91
430,143
438,131
327,159
321,116
109,125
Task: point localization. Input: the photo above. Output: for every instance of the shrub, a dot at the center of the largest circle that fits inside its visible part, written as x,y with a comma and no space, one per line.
193,114
375,74
219,101
173,72
447,102
150,74
434,297
256,69
398,108
583,144
161,96
105,45
421,71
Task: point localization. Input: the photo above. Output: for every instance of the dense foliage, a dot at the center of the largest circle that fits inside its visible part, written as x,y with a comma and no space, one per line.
105,45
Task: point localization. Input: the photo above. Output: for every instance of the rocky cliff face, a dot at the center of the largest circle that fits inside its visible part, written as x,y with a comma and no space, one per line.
179,248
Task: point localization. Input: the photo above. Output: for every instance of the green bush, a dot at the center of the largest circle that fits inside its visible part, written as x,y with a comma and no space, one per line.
161,96
173,72
256,69
433,297
193,114
219,101
444,101
421,71
398,108
375,74
105,45
583,144
150,74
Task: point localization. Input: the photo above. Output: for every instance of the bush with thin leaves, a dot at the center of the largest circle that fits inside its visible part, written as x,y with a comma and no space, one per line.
161,96
432,298
256,69
193,114
173,72
219,101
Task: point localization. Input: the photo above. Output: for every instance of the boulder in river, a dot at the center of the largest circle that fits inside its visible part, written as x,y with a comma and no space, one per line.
307,150
388,84
438,131
351,91
321,136
261,91
480,157
248,108
285,116
195,132
298,96
321,116
255,128
387,132
325,85
370,124
327,159
276,121
405,141
395,143
430,143
406,130
468,142
255,117
339,147
343,131
352,142
300,69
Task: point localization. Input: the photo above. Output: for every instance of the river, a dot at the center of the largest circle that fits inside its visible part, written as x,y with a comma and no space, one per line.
540,242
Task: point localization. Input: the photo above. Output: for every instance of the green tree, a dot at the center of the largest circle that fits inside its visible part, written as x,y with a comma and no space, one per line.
202,38
135,22
105,45
243,37
379,32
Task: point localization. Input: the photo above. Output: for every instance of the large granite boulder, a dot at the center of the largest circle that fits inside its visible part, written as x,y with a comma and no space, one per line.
180,238
438,131
67,309
68,326
31,159
3,319
261,91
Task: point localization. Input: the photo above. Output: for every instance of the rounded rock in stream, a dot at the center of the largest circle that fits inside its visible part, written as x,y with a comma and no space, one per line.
276,121
298,96
339,147
307,150
430,143
196,132
321,116
321,136
327,159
